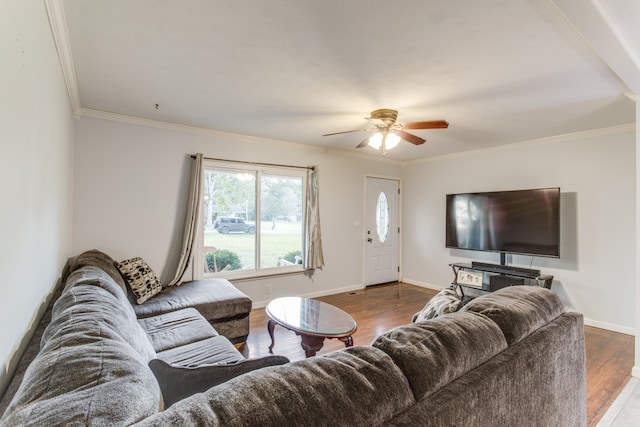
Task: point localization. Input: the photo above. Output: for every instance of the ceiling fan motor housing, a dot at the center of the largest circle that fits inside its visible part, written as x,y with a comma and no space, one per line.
387,116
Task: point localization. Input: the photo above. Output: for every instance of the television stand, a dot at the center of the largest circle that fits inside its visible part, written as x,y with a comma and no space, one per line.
506,269
479,278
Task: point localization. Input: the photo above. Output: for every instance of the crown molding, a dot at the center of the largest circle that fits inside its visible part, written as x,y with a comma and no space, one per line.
631,127
123,118
58,23
632,96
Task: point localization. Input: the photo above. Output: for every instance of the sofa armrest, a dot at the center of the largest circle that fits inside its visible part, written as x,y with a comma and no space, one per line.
179,382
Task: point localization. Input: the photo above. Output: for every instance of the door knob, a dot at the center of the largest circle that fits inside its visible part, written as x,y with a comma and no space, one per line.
369,240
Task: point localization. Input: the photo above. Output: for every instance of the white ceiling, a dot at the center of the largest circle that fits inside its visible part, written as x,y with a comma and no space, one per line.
500,71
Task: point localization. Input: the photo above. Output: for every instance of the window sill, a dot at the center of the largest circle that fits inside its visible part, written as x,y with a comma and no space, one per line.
248,275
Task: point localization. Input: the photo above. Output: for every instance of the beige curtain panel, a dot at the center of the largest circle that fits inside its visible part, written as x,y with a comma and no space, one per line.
194,213
313,257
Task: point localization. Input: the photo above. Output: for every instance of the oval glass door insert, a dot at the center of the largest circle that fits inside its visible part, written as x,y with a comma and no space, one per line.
382,217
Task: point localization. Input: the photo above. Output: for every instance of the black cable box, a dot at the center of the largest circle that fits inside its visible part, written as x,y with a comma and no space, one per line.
498,282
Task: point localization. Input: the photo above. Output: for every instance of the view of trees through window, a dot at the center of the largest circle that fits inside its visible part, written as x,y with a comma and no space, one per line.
252,219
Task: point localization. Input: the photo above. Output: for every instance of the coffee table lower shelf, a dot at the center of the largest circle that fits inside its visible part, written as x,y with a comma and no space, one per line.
311,344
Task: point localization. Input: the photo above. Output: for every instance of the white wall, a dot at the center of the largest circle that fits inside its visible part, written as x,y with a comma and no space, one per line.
596,174
36,136
131,182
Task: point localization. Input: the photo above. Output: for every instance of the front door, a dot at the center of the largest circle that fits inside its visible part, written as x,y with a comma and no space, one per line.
382,231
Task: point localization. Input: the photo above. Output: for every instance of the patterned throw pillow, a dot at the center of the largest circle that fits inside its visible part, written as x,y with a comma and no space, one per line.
140,277
445,301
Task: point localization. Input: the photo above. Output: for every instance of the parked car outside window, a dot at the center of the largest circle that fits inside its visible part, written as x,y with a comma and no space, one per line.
226,225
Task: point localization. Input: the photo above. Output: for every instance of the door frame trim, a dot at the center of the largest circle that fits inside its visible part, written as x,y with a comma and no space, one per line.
364,223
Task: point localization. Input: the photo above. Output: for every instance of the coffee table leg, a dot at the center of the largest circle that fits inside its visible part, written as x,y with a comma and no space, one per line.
311,344
271,325
348,341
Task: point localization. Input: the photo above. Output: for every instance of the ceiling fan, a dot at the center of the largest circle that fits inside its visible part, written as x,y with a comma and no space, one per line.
388,133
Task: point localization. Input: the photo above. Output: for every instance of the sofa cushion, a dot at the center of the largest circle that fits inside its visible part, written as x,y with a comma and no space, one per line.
518,310
211,350
179,382
539,381
445,301
91,294
85,374
213,298
434,353
176,328
93,258
358,386
142,280
236,330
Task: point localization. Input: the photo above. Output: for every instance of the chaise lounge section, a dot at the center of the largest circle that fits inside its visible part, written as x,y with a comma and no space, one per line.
218,301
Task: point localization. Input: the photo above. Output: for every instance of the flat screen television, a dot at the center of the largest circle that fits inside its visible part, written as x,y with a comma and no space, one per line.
516,222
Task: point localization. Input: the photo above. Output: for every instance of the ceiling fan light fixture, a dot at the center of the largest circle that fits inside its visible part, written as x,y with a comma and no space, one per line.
392,140
376,140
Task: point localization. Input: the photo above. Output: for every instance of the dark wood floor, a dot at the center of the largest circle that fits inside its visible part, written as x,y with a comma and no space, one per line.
610,355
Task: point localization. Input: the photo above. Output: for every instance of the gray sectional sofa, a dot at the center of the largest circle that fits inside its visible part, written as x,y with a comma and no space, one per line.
95,339
514,357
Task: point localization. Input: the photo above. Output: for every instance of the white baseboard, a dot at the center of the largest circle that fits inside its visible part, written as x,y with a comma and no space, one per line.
589,322
262,304
421,284
609,417
609,326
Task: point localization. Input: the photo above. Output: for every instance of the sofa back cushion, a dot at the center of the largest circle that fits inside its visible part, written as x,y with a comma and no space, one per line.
93,258
91,294
359,386
433,353
92,368
539,381
85,375
518,310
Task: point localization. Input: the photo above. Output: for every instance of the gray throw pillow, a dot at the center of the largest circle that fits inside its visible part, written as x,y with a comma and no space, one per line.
179,382
445,301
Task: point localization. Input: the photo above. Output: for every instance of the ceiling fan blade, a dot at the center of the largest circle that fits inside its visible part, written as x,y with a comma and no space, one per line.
432,124
363,143
349,131
416,140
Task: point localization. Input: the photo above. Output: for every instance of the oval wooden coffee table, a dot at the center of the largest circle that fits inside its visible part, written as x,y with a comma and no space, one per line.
313,320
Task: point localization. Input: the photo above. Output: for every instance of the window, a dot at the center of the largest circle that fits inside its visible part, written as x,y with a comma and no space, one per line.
253,219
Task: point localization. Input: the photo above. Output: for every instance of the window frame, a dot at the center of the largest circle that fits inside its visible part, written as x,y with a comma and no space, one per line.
257,271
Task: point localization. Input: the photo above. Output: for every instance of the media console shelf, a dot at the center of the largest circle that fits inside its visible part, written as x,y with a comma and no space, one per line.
478,278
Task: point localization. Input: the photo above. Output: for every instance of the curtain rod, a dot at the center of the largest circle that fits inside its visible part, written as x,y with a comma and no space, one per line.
256,163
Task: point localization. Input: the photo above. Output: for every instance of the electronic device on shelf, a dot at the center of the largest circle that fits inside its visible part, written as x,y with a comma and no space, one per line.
477,278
